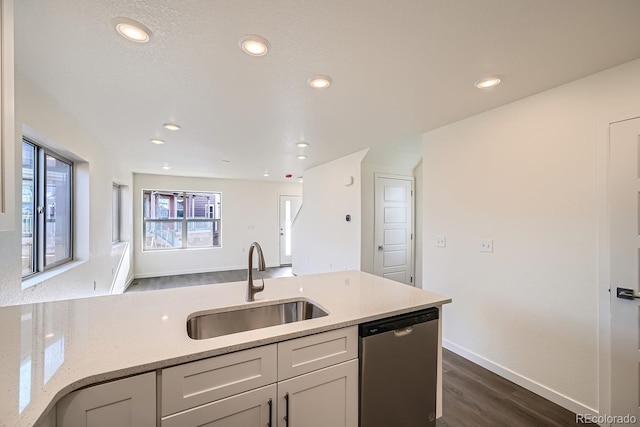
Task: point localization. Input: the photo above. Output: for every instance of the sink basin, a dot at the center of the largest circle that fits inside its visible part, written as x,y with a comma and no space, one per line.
245,319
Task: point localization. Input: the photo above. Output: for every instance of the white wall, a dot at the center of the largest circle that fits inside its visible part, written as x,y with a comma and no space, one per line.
323,240
95,175
249,213
524,175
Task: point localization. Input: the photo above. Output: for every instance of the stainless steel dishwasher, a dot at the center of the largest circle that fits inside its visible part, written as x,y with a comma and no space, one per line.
398,370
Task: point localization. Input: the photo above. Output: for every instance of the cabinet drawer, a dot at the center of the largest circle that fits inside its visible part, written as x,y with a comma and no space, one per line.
196,383
255,408
306,354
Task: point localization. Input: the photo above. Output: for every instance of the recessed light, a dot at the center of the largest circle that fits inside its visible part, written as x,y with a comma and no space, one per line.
156,141
131,30
319,82
166,167
171,126
265,173
488,82
302,144
301,156
254,45
300,181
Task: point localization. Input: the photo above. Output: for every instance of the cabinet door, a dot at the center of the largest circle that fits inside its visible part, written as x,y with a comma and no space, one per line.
255,408
130,402
327,397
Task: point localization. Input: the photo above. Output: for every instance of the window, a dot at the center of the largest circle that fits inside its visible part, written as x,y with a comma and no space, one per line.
115,213
181,219
46,209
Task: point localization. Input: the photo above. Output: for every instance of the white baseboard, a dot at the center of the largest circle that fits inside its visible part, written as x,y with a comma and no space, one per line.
537,388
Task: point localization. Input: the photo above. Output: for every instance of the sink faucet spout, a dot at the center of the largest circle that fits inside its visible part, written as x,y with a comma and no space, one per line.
252,289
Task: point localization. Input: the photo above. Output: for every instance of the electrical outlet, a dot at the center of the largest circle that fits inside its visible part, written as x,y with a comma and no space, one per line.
486,245
441,242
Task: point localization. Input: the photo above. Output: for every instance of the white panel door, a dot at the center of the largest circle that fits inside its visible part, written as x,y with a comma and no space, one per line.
289,208
624,245
393,252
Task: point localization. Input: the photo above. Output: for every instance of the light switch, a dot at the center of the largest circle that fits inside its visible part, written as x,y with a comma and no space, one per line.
441,242
486,245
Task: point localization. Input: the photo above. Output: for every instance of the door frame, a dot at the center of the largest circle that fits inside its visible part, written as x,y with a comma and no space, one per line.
280,195
603,253
411,178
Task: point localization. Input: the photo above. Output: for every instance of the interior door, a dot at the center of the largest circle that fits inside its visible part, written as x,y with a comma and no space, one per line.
393,252
624,235
289,208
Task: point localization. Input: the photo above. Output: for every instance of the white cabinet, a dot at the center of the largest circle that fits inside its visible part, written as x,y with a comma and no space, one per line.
327,397
7,139
313,381
129,402
318,374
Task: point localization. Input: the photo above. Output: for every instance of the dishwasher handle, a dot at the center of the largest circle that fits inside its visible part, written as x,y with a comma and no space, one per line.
403,332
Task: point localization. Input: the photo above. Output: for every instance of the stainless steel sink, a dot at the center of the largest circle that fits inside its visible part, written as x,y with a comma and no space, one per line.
245,319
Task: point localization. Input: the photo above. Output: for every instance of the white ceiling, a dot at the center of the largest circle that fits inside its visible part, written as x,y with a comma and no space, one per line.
399,68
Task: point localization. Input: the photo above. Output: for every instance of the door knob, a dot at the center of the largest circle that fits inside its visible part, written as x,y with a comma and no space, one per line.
380,247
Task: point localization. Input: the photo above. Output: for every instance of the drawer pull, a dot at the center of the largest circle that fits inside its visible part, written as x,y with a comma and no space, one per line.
286,415
270,412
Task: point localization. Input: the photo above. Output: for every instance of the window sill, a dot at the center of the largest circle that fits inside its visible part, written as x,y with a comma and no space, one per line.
50,274
119,244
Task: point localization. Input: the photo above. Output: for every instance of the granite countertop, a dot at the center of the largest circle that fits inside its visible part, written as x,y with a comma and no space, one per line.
50,349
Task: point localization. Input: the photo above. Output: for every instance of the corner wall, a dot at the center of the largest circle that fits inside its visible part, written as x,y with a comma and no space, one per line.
249,213
524,175
323,241
95,261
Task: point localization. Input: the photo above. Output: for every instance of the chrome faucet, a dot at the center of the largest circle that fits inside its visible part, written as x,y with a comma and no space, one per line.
252,289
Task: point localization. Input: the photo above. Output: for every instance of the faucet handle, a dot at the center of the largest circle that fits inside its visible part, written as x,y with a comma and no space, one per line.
260,287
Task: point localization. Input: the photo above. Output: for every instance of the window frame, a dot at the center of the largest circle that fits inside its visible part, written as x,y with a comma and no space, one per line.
39,207
184,220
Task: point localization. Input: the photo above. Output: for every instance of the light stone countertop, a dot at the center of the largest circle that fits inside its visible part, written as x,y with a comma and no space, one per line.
50,349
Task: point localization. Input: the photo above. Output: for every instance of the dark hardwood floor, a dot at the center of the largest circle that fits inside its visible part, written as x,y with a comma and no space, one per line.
476,397
472,395
166,282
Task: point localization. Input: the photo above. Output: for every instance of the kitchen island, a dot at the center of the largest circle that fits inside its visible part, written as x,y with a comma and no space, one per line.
48,350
